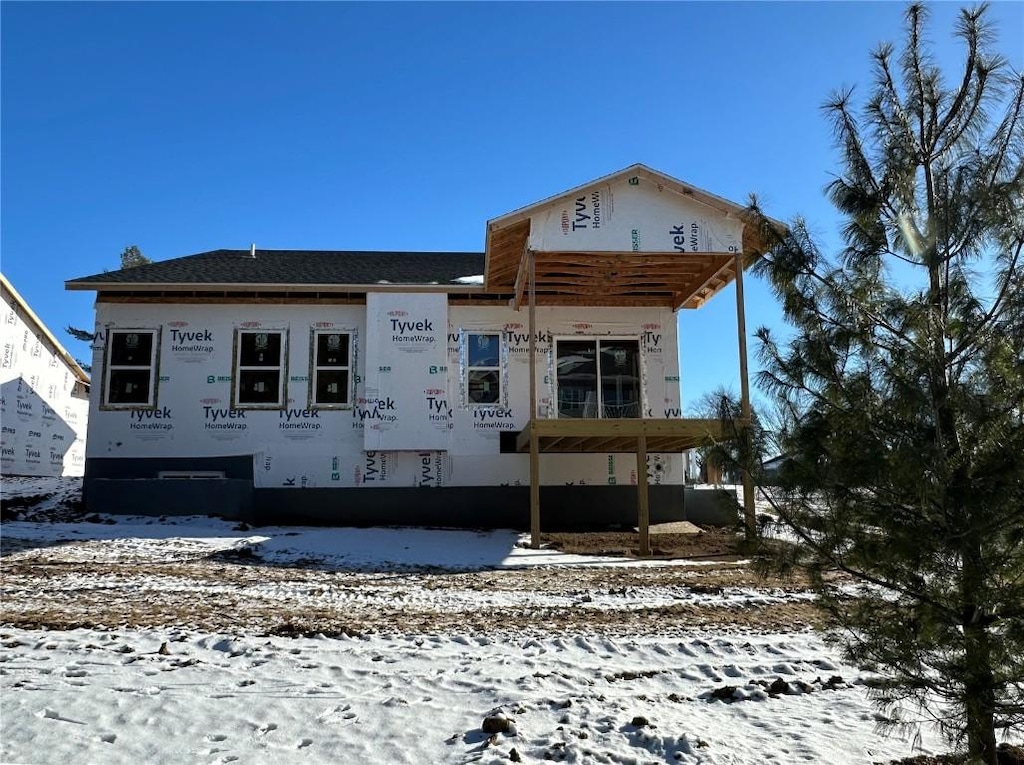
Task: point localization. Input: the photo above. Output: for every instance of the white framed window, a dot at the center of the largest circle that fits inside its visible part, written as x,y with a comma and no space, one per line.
598,377
260,369
482,360
130,376
330,378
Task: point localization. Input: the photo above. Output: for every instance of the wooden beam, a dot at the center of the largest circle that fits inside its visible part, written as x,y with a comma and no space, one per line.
534,491
598,444
573,300
703,281
749,514
643,507
534,441
525,264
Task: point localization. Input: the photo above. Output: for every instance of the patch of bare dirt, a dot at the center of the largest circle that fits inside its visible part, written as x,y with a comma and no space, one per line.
711,543
219,595
1006,754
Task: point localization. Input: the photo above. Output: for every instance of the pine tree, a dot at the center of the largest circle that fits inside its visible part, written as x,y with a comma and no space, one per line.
132,256
906,373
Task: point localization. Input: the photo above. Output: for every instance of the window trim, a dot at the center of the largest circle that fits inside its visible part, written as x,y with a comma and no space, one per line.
282,369
154,368
315,332
501,369
642,403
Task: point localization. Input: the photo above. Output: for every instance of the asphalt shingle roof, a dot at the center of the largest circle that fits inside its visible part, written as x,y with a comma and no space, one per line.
298,267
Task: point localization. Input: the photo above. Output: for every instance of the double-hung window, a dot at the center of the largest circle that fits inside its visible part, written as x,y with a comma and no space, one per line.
483,368
131,368
260,368
598,378
331,374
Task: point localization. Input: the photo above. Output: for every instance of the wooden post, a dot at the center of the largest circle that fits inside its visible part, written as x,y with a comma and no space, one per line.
642,506
749,515
534,491
534,443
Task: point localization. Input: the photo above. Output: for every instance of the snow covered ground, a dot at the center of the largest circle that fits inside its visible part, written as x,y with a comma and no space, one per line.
191,641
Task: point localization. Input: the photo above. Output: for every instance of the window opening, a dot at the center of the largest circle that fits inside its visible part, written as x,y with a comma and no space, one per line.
598,378
483,368
131,358
259,368
332,368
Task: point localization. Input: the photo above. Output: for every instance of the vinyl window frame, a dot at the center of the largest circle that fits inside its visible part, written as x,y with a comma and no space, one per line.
499,368
315,367
597,340
109,367
237,369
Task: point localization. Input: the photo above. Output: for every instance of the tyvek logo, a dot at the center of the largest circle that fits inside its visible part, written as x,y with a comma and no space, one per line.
191,341
493,418
381,410
151,419
376,469
586,215
651,341
412,331
431,466
299,419
438,409
519,342
216,418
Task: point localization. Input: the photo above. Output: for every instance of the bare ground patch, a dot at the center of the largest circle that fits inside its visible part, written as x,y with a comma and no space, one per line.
216,595
710,543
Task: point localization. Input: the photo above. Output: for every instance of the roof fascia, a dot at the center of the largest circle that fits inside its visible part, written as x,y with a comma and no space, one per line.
470,289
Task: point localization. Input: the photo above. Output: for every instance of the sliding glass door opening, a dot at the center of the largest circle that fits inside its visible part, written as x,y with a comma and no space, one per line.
598,378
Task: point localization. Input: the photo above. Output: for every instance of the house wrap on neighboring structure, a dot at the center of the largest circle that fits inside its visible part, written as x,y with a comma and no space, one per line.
395,387
44,403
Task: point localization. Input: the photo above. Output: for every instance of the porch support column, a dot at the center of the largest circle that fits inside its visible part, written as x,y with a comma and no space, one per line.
749,515
642,506
534,443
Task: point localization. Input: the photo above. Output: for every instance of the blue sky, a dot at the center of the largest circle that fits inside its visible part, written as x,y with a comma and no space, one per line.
185,127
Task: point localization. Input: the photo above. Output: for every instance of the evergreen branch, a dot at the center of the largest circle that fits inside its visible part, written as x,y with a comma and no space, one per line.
998,305
970,33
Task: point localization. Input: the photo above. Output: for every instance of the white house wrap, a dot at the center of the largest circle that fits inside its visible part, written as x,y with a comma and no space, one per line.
406,371
338,386
44,403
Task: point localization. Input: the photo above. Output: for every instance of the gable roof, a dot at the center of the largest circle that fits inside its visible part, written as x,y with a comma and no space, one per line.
680,279
668,276
28,314
640,171
322,269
